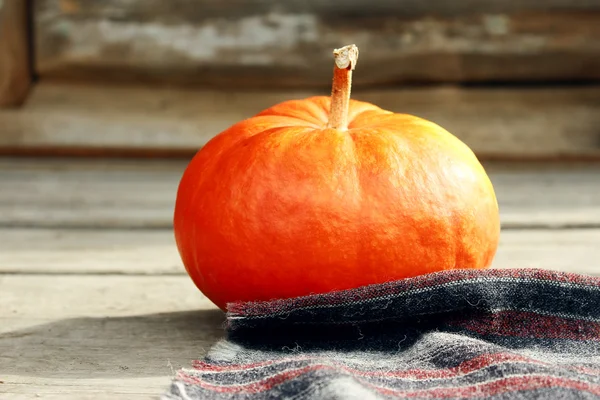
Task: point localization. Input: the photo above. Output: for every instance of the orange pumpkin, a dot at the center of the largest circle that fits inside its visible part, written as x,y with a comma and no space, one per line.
323,194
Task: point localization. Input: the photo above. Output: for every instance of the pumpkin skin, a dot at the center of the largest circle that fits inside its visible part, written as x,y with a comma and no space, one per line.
279,205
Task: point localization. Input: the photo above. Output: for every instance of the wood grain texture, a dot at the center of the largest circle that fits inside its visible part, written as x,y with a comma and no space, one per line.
15,71
568,250
90,251
141,194
117,337
497,123
54,389
266,43
153,252
195,10
77,337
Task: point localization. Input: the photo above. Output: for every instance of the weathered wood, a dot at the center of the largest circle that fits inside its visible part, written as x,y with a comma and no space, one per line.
551,196
570,250
83,339
15,71
196,10
92,193
513,123
269,43
100,337
142,252
136,194
68,251
54,389
84,389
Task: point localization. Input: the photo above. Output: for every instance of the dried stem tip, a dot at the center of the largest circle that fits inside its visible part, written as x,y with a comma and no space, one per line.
345,61
346,57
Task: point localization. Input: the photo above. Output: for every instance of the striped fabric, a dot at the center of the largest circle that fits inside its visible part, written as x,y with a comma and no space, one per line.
498,334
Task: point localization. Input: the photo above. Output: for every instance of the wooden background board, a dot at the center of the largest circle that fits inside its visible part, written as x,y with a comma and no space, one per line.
15,70
494,122
270,43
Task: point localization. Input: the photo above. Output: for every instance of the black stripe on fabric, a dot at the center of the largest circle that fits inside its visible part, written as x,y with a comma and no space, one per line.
365,293
548,298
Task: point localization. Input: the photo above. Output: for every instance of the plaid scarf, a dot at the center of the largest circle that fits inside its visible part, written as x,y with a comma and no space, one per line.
499,334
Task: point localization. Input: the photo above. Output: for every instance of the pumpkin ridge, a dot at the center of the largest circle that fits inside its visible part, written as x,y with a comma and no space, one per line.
359,195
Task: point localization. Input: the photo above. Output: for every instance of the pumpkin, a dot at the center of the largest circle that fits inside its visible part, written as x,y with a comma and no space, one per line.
327,193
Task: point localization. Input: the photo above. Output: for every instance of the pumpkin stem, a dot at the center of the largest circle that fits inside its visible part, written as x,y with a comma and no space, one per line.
345,61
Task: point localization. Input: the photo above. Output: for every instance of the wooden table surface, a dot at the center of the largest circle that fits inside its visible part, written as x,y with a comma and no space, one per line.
94,302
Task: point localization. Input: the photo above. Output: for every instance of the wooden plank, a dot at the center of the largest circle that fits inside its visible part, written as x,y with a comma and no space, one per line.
551,196
194,10
68,390
15,71
100,337
64,251
92,348
68,251
495,123
141,194
268,43
84,389
569,250
92,193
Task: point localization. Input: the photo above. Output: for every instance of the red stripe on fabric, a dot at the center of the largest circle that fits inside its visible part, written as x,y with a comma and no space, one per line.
254,387
464,368
531,325
503,385
509,384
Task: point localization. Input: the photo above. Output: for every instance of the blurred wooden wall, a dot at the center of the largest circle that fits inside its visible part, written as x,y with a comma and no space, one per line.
15,62
512,78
